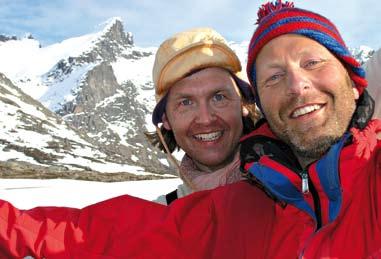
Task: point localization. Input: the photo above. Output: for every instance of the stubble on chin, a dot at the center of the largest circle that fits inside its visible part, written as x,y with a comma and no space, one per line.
305,149
314,150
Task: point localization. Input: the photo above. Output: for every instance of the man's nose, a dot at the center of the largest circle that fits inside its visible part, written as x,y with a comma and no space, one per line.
298,82
205,114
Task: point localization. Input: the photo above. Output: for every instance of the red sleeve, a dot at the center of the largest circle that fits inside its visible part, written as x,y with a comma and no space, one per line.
57,232
208,224
120,227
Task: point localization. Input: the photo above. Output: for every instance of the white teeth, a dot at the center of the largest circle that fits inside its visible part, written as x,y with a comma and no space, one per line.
305,110
209,136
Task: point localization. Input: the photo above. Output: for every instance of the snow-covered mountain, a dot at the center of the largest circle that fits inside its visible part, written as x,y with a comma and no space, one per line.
100,85
35,142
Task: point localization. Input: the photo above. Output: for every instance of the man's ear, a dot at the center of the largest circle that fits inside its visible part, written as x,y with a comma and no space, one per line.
356,93
245,111
165,121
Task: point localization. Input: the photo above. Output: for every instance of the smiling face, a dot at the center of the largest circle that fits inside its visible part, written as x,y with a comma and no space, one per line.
204,111
306,94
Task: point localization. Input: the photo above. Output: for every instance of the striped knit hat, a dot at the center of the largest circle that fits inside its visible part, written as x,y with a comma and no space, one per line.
276,19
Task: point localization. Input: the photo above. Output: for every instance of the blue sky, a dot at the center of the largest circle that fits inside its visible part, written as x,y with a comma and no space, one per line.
151,21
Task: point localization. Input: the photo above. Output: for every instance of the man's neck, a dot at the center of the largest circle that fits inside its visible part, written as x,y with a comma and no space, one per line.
213,168
304,162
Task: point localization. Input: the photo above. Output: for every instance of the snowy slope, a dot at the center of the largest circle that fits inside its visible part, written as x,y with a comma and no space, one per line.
26,194
63,75
31,133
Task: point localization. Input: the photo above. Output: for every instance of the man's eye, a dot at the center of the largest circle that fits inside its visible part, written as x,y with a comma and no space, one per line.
312,63
185,102
273,79
218,97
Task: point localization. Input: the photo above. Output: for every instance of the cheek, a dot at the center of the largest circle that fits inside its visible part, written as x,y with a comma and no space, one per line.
239,111
331,78
269,101
232,117
178,125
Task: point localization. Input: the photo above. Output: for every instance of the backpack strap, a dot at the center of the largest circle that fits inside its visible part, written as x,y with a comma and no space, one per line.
172,196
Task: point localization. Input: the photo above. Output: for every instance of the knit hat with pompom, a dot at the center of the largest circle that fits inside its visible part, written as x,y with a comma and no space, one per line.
276,19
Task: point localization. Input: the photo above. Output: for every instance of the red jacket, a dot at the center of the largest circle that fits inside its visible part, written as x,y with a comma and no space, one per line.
272,219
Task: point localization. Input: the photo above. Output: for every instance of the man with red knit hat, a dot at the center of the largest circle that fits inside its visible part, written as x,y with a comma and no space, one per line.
317,152
313,166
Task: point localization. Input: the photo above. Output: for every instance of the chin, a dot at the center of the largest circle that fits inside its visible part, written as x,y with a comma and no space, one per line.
315,148
212,163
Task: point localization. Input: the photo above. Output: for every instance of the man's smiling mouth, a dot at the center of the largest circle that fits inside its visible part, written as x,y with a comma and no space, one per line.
208,136
305,110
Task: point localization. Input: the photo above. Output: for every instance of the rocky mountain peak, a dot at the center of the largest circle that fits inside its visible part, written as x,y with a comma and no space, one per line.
114,31
4,38
101,105
112,43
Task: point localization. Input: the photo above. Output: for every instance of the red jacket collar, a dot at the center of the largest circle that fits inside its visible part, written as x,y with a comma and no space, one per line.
263,130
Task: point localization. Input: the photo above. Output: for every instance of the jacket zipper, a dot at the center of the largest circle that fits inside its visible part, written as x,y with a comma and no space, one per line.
308,241
317,204
305,187
308,186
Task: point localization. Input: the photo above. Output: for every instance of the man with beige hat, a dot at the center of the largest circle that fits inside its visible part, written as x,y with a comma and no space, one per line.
200,103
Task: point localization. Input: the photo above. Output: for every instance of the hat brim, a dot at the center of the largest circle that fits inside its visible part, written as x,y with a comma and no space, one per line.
159,110
245,89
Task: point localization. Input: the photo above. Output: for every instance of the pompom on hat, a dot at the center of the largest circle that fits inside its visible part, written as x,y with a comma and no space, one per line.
276,19
189,51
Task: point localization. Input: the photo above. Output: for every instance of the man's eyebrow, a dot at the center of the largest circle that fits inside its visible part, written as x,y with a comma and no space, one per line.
223,87
181,95
270,65
273,65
